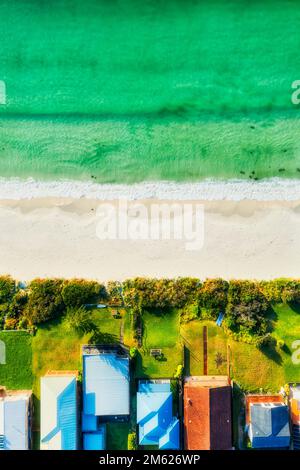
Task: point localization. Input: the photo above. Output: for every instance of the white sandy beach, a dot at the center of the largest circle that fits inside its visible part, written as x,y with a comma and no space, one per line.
57,237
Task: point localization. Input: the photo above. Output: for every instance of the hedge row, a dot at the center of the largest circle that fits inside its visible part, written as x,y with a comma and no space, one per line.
245,303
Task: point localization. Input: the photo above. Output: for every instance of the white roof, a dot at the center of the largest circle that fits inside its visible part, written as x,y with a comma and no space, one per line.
1,417
14,421
52,387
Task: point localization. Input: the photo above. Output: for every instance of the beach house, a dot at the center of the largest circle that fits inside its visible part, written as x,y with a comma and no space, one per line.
207,413
267,422
15,419
294,402
59,429
156,424
105,392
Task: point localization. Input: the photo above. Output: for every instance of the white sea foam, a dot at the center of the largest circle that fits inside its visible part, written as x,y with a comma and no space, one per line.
273,189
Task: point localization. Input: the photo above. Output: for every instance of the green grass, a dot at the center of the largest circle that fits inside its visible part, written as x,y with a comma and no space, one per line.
16,374
253,369
160,330
117,436
56,348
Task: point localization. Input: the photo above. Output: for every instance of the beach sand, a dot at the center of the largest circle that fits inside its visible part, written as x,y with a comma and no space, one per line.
57,237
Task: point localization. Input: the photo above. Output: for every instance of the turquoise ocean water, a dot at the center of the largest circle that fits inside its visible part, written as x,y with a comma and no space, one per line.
127,91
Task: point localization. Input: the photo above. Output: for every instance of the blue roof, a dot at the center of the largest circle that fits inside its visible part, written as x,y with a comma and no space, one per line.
15,425
89,423
269,427
154,416
106,385
95,440
170,440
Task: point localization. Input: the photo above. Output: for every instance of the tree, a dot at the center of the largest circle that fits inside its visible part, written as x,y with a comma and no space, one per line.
160,293
114,293
77,292
213,294
17,305
7,289
79,320
246,307
44,300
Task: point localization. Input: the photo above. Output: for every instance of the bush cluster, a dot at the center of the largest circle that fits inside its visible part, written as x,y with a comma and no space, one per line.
244,303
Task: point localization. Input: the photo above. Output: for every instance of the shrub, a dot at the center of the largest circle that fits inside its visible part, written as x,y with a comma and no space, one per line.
2,315
114,293
179,372
160,293
246,307
189,313
17,305
79,320
280,343
213,294
23,324
132,441
7,289
266,340
133,352
45,300
10,324
281,290
77,292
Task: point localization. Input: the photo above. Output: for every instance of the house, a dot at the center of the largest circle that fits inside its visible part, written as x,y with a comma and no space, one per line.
95,440
15,419
207,413
294,402
157,425
59,428
267,421
105,392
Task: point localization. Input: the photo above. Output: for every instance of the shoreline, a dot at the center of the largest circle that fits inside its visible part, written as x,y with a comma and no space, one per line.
56,237
270,189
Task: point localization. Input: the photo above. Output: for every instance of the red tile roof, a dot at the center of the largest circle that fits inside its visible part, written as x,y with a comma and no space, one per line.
207,416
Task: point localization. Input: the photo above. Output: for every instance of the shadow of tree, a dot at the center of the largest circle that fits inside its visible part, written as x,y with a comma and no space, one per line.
286,350
270,351
272,318
140,370
295,307
187,361
98,337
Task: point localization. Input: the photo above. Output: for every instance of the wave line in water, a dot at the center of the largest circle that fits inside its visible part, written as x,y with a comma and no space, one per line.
272,189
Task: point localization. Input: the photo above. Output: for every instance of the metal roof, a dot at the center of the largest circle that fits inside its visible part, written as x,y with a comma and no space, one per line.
95,440
106,384
59,412
14,422
269,425
157,426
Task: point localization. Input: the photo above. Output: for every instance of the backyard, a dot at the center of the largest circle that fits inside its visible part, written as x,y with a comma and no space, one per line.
252,368
56,347
16,372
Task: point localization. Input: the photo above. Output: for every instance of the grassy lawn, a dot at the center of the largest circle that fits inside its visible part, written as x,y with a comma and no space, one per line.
160,330
192,334
16,374
117,436
56,348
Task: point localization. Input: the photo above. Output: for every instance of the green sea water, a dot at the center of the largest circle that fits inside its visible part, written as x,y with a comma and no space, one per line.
132,90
